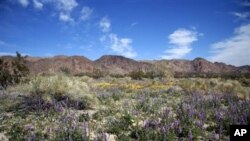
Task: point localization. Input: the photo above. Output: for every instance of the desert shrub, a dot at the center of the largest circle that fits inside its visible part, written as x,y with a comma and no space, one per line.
65,70
97,73
155,74
208,86
137,75
80,74
60,88
245,82
117,75
12,71
120,125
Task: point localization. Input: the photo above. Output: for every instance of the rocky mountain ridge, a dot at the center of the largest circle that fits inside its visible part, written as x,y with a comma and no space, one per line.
112,64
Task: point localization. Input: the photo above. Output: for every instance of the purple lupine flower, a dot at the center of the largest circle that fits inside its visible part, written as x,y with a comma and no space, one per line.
135,112
33,137
242,120
151,124
190,136
104,137
176,123
167,111
164,131
200,124
59,107
202,115
218,116
190,110
214,136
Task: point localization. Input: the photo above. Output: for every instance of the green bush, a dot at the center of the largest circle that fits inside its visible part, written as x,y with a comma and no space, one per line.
137,75
155,74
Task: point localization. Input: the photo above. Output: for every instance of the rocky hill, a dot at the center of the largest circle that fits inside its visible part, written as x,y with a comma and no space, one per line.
120,65
73,64
200,65
111,64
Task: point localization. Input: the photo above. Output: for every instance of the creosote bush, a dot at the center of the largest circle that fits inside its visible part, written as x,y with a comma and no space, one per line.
137,75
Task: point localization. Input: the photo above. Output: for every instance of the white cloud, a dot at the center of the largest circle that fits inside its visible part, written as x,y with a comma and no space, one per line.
105,24
180,40
242,16
122,45
63,7
38,4
118,45
176,52
234,50
24,3
65,17
86,13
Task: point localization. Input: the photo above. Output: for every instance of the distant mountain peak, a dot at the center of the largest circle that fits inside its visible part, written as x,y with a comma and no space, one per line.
200,59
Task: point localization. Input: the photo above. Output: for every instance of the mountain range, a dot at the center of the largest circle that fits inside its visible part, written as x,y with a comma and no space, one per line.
112,64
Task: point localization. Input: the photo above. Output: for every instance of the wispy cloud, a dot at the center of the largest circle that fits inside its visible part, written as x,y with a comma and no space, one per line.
234,50
65,17
132,25
4,44
38,4
63,7
105,24
86,13
180,41
122,46
245,3
119,45
241,15
24,3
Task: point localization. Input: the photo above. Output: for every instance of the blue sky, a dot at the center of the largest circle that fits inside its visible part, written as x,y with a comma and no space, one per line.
218,30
